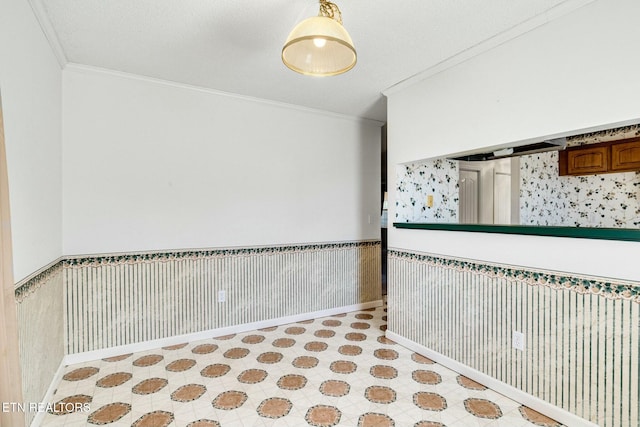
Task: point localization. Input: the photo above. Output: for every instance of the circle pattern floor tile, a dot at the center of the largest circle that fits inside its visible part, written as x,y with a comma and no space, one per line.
336,370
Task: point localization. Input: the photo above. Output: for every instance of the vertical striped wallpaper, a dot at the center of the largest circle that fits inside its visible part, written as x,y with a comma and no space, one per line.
118,300
582,334
40,332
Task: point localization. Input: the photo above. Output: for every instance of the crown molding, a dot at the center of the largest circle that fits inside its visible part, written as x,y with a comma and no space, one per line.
489,44
49,33
89,69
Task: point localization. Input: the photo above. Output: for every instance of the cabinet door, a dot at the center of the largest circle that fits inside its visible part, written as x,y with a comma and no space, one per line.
625,156
587,161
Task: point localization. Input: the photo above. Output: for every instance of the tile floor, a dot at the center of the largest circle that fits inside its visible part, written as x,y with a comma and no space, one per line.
334,371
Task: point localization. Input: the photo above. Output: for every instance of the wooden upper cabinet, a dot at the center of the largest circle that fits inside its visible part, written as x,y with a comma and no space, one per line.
625,156
587,161
604,157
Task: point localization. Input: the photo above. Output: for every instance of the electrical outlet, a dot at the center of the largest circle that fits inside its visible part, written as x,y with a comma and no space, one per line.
518,340
222,296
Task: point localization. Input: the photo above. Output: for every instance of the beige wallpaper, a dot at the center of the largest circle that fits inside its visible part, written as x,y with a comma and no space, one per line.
40,302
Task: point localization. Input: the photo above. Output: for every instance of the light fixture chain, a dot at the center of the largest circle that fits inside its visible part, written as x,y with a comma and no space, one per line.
330,10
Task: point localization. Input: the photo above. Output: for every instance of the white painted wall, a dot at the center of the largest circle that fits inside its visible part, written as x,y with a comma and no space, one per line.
576,72
149,165
30,82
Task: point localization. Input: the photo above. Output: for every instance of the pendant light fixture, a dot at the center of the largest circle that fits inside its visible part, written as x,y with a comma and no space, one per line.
320,46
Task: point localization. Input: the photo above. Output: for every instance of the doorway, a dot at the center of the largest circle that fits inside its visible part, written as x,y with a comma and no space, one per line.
383,199
489,192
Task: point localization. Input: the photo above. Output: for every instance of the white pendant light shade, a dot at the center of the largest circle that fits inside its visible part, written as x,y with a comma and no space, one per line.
319,46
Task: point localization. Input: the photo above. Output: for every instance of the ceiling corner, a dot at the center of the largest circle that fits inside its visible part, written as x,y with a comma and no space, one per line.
49,32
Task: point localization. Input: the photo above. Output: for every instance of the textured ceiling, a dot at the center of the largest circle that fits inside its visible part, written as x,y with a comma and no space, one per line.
234,45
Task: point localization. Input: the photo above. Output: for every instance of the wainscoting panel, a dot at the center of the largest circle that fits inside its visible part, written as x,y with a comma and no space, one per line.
40,304
581,333
120,300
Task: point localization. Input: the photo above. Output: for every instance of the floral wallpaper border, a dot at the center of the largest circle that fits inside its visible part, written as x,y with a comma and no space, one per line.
612,289
604,135
207,253
30,285
25,288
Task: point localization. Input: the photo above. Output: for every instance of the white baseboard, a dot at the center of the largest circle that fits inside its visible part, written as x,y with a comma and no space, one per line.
545,408
48,397
88,356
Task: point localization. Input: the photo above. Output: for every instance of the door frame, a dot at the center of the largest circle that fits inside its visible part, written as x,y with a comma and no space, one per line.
10,377
478,194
